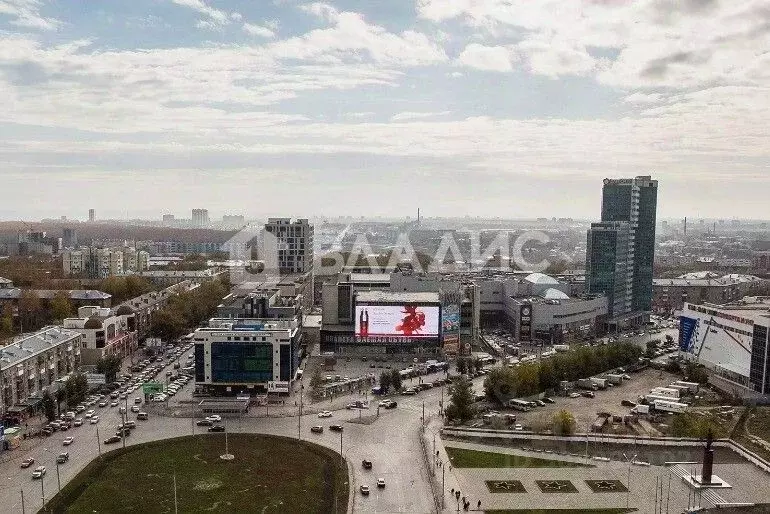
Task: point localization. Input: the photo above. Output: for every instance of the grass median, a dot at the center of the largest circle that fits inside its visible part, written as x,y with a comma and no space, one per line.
268,475
464,458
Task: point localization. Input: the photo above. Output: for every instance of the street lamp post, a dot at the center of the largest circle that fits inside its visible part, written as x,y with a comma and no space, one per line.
42,489
58,478
98,441
23,511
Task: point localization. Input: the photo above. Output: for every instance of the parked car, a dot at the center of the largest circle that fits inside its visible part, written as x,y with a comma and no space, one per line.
335,428
142,416
367,464
94,420
27,462
63,457
587,394
39,472
217,428
215,418
134,408
325,414
574,395
112,439
318,429
365,490
381,483
68,441
102,403
78,422
89,413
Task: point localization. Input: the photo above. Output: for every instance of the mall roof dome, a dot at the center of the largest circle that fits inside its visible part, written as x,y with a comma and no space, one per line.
554,294
540,279
93,323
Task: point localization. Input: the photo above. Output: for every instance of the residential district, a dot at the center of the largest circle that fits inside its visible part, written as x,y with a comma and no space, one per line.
372,365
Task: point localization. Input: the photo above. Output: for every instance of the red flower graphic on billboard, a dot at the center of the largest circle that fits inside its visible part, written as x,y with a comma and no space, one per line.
412,322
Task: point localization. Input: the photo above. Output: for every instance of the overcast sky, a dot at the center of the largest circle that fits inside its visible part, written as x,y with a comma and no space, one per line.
513,108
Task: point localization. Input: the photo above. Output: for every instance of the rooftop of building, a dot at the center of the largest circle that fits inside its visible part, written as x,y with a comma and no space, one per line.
541,279
32,344
369,278
396,297
250,324
706,278
751,307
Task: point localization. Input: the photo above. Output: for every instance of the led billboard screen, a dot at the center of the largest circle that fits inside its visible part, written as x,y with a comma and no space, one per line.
408,321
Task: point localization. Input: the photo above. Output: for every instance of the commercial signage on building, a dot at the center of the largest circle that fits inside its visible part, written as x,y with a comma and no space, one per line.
96,378
525,323
277,387
350,338
687,328
413,321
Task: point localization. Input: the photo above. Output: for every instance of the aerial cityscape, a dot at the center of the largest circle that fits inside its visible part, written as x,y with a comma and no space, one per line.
418,256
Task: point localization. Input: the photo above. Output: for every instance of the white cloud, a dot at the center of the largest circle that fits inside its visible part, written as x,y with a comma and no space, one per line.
215,16
643,98
321,10
411,115
489,58
26,13
555,57
258,30
352,39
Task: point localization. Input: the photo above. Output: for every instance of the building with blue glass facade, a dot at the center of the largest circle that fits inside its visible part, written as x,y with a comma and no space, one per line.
621,249
247,355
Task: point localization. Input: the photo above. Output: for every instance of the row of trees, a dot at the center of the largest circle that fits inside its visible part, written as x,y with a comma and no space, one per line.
125,288
186,310
73,393
468,365
33,312
390,379
503,384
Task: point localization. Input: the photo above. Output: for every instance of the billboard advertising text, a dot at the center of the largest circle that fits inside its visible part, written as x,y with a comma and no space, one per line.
410,321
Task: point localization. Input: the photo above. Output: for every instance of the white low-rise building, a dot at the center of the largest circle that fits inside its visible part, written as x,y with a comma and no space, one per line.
105,332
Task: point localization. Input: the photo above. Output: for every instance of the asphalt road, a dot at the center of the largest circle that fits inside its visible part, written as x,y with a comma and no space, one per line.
391,442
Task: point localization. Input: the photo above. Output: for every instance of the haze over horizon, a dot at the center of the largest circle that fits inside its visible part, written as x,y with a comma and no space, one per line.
491,108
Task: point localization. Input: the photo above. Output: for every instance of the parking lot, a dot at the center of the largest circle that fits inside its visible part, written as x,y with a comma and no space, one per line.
585,409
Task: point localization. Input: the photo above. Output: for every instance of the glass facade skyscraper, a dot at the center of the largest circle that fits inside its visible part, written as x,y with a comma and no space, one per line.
629,209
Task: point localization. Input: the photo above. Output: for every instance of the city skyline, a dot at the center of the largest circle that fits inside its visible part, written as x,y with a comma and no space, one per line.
482,108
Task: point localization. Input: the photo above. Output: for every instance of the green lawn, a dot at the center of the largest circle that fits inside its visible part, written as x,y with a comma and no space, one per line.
269,475
462,458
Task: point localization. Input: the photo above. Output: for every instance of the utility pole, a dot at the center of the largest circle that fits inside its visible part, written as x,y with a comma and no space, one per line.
23,511
98,441
443,490
58,478
176,503
42,489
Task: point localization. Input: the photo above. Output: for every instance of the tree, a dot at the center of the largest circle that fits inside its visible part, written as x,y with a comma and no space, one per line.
315,383
61,395
49,406
385,381
29,310
696,373
76,389
167,324
564,423
61,306
6,321
109,366
461,401
395,379
461,365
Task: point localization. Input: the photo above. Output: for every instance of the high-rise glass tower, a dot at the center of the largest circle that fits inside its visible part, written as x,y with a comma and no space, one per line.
626,238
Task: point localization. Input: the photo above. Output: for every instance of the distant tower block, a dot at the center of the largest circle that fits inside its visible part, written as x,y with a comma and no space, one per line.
91,215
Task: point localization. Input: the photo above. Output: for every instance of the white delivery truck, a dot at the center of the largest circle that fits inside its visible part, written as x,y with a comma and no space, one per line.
666,391
669,406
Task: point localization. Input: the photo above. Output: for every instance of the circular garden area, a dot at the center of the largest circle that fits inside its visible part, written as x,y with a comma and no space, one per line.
268,475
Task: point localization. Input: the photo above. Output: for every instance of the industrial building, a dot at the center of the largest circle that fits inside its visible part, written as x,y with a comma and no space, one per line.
247,355
33,363
731,341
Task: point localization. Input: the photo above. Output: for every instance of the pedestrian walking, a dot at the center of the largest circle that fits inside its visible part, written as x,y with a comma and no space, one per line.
478,506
